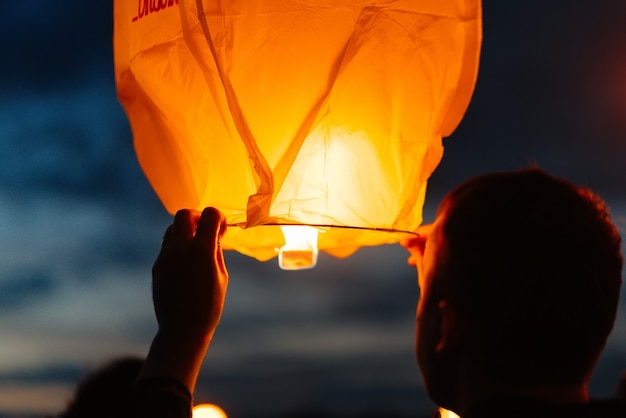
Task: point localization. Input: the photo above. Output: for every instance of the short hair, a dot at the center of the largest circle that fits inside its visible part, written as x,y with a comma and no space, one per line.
535,262
105,392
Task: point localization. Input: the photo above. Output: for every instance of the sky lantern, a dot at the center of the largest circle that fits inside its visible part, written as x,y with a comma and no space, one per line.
208,411
444,413
314,117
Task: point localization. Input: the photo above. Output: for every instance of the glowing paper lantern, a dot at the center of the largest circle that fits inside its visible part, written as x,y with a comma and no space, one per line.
444,413
208,411
327,113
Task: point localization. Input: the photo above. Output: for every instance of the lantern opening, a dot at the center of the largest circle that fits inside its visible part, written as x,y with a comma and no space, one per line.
300,249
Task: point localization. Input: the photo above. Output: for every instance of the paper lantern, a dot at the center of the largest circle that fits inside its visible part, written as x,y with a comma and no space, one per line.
327,113
208,411
444,413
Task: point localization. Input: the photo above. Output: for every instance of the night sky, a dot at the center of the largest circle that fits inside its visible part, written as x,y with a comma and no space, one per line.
80,226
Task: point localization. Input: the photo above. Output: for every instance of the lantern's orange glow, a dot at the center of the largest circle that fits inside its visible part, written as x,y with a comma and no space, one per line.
300,249
444,413
208,411
309,112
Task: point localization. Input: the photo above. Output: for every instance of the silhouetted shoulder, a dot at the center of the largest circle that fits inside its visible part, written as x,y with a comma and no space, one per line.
513,407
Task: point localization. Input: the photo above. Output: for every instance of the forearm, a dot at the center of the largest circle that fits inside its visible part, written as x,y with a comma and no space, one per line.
176,358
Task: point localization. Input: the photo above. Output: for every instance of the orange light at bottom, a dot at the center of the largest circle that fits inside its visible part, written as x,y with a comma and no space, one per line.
300,249
208,411
443,413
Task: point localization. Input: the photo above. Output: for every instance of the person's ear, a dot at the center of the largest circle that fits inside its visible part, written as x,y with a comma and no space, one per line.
450,332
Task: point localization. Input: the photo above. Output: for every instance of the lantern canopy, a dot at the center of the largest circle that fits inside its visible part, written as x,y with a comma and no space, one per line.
327,113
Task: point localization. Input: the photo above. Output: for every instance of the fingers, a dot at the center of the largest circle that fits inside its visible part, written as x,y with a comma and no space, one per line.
416,244
411,242
207,227
211,226
425,230
185,221
418,240
211,229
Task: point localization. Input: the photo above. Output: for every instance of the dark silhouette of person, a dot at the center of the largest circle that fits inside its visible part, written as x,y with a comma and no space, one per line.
104,392
519,280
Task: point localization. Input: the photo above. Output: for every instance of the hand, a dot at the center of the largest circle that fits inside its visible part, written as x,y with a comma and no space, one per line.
189,281
189,277
416,243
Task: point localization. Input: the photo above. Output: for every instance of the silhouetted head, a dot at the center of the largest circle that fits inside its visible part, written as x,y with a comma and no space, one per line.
104,392
530,265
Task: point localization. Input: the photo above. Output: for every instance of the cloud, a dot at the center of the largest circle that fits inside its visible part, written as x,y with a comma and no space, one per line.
73,237
71,140
22,286
547,93
80,324
18,400
46,44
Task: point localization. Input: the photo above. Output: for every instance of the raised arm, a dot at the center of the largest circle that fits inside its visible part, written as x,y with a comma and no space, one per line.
189,282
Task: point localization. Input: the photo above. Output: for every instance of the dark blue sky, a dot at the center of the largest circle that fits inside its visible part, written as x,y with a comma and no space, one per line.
80,226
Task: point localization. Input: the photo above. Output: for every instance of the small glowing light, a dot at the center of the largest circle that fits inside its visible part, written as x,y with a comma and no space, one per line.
208,411
300,249
444,413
